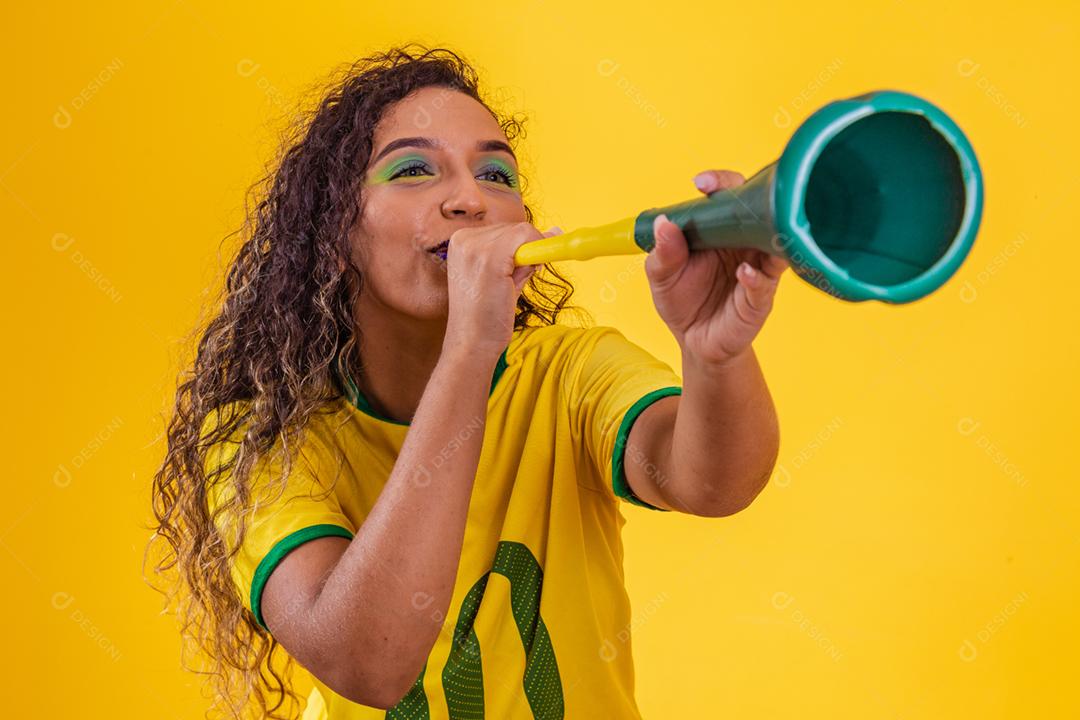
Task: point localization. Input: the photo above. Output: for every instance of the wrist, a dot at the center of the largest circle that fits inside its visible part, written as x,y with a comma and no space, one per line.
718,366
469,357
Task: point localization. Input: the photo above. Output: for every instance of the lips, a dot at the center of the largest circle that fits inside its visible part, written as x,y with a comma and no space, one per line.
441,247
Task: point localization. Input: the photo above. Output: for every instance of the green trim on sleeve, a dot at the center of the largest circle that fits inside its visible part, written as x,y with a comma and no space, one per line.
282,548
618,469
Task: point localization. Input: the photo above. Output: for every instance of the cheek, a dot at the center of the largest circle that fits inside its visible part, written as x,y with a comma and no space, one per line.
509,208
389,263
395,272
395,227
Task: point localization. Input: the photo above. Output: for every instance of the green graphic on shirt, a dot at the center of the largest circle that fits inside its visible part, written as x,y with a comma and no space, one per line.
463,678
463,681
542,685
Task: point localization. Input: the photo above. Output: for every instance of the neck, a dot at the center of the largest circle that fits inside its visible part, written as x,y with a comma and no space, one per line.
398,353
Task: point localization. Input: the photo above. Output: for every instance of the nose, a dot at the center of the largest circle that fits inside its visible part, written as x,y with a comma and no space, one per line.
464,198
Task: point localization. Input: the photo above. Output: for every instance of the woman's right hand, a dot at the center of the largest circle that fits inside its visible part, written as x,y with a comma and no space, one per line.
484,285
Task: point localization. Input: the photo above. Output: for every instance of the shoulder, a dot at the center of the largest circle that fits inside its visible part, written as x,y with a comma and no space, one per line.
555,340
225,427
222,429
575,357
558,349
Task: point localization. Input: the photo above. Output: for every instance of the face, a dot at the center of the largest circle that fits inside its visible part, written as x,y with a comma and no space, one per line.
439,162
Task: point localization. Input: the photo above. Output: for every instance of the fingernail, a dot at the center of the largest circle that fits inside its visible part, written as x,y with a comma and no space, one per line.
705,182
660,225
748,270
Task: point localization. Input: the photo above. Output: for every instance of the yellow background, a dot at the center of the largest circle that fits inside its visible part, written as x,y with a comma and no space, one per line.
915,555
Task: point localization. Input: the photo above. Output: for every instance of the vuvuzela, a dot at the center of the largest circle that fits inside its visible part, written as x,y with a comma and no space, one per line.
876,197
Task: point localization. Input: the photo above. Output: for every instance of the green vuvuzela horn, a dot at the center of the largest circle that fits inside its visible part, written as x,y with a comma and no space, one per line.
876,197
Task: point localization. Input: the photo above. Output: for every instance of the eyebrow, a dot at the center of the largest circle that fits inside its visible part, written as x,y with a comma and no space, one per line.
429,143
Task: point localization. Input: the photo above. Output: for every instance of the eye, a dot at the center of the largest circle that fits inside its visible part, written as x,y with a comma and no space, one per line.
503,176
407,170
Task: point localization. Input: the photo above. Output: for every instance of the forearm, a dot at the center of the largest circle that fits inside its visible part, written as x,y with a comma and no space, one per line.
725,438
386,598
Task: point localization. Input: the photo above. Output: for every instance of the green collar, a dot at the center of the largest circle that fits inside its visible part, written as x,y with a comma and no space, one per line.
357,399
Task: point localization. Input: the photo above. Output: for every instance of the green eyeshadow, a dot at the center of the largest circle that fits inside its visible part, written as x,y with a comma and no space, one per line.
387,173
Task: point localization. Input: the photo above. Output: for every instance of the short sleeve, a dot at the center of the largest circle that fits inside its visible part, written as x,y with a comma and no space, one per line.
611,381
280,516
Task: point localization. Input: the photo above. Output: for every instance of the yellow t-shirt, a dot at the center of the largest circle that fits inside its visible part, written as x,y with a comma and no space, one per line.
539,622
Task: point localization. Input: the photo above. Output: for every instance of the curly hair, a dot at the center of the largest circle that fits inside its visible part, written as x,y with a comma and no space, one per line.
285,314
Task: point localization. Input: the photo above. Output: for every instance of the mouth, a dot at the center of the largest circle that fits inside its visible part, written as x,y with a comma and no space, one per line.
440,249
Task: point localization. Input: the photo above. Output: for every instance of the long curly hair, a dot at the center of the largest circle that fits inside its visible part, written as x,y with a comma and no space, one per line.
284,315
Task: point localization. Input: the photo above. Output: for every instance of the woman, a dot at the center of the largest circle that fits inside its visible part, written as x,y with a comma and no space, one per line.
390,461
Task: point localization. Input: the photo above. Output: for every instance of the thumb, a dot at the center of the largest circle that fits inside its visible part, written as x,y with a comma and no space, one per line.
521,276
522,273
669,254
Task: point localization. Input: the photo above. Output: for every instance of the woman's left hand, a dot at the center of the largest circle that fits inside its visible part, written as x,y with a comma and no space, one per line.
714,301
